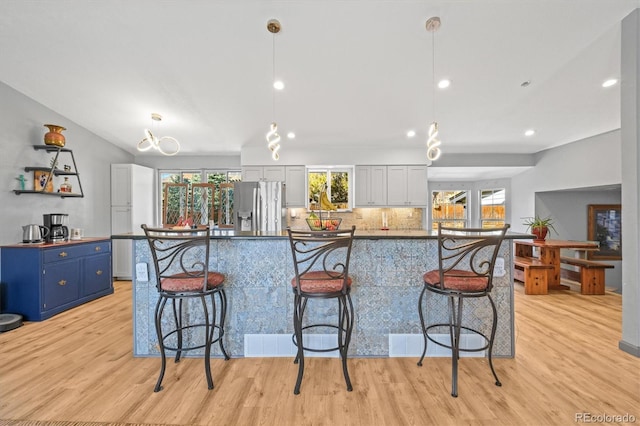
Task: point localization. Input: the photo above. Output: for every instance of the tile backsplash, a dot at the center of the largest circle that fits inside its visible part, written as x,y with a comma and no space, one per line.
364,219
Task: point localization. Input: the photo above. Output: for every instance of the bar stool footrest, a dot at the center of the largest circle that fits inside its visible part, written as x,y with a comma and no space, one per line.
448,346
337,348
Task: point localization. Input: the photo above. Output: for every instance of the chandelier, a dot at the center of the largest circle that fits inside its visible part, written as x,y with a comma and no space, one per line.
433,143
166,145
273,138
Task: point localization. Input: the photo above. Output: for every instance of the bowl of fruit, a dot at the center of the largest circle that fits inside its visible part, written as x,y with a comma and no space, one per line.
317,224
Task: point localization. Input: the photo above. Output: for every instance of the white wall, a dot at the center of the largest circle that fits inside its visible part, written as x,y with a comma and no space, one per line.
306,155
21,121
592,162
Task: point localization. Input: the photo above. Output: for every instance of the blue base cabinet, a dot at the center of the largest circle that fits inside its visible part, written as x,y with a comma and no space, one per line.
39,281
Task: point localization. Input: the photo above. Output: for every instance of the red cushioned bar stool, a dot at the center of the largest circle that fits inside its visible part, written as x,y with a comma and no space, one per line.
183,278
321,265
466,258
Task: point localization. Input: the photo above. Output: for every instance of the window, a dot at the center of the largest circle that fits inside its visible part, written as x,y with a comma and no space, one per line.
336,180
184,195
449,208
492,212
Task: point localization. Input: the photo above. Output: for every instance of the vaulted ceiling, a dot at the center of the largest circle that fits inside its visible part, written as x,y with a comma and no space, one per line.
356,72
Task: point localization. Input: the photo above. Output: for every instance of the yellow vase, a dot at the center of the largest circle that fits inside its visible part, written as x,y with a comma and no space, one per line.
54,136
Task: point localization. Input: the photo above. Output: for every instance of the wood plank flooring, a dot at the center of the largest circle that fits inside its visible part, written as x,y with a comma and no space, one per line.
78,367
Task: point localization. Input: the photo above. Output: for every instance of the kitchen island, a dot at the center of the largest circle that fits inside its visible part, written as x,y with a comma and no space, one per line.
386,267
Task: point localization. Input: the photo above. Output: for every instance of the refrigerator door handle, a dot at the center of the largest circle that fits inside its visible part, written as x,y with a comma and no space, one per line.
256,211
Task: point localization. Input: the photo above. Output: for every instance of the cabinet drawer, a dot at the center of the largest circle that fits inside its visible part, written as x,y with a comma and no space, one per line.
102,247
62,253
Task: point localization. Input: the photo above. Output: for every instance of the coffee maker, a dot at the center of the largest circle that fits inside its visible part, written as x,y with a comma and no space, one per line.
55,222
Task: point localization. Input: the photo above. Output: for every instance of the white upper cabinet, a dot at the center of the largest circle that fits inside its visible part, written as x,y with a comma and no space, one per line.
263,173
295,181
371,186
407,186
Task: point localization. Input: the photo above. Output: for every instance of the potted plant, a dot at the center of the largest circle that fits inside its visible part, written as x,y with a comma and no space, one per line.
539,226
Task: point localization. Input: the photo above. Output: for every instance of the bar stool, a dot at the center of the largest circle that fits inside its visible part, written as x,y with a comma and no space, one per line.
321,265
181,262
466,258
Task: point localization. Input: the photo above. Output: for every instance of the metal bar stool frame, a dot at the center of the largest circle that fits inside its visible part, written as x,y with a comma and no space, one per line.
466,258
182,256
322,273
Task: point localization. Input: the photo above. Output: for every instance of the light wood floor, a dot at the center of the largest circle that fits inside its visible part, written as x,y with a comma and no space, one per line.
78,366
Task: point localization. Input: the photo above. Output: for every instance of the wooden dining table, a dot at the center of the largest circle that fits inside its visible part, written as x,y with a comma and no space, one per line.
549,253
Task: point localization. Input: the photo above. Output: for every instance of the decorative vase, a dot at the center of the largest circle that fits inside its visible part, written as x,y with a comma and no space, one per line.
54,136
540,233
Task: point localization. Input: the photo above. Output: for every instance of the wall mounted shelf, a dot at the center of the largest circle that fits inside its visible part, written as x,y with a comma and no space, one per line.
52,172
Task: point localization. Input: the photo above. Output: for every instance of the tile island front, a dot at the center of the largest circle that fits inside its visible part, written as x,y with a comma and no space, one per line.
387,269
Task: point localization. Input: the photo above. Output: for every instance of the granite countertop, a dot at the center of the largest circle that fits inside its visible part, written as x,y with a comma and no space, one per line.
371,234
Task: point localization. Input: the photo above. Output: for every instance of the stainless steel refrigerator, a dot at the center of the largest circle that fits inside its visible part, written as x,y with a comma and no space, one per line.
259,206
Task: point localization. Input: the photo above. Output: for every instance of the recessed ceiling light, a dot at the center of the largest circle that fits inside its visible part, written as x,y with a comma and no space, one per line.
529,132
411,133
443,84
525,83
610,82
278,85
291,135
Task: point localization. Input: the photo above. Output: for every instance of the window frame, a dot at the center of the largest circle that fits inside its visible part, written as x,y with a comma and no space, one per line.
350,170
497,222
203,178
458,222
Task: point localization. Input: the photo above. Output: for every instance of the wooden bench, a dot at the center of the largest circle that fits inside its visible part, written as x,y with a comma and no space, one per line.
533,273
590,274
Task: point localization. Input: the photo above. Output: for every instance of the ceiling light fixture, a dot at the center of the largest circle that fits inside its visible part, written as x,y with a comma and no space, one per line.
610,82
443,84
273,138
529,132
166,145
411,133
433,143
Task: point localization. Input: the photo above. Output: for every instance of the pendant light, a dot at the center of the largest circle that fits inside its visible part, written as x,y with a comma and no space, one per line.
273,138
166,145
433,143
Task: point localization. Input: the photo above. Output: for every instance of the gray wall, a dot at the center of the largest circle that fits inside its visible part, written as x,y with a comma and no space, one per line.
21,121
570,213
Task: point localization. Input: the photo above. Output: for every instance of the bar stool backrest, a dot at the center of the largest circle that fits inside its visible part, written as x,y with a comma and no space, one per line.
321,256
468,254
180,255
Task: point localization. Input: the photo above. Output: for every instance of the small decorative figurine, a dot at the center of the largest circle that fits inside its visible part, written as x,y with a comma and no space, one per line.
22,181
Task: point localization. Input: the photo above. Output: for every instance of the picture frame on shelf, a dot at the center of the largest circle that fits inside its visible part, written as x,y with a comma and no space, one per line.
605,227
40,181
